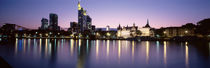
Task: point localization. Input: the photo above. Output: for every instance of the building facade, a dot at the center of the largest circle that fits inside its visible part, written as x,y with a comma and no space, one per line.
84,20
147,30
127,32
44,23
54,22
178,31
74,27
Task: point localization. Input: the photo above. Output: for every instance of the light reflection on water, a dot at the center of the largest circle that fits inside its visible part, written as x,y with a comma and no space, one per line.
186,55
147,52
104,53
165,53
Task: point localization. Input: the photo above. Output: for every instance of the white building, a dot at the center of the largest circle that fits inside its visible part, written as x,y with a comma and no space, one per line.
147,30
131,32
127,32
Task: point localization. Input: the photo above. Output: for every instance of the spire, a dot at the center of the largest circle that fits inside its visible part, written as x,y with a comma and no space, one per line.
119,27
147,25
79,6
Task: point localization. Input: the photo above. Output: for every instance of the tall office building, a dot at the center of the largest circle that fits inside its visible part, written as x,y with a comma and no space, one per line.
44,25
84,21
54,22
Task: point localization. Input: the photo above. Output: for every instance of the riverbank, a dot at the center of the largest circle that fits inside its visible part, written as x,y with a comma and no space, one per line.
3,63
178,38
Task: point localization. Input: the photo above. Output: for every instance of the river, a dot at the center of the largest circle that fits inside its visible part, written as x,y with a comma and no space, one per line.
69,53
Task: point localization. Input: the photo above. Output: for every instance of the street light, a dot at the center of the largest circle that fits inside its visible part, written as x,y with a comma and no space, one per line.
97,34
108,34
40,35
46,34
50,33
186,31
164,32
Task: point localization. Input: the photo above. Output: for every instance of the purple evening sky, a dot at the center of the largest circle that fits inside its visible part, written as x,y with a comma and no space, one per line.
161,13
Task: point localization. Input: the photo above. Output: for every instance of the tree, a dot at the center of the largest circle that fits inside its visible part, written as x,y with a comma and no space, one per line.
203,27
189,26
135,33
159,32
138,32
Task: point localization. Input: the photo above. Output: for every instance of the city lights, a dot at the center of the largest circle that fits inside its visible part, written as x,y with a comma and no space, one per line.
104,34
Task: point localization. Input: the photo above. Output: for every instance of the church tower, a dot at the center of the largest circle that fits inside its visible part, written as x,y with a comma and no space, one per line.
147,25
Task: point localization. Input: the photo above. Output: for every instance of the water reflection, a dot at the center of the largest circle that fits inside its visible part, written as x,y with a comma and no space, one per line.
87,46
40,45
165,53
119,49
133,49
186,55
72,46
157,48
46,47
107,48
72,53
16,46
29,45
53,51
97,46
147,52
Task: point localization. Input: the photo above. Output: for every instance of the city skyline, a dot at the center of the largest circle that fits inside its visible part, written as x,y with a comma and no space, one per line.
163,13
104,33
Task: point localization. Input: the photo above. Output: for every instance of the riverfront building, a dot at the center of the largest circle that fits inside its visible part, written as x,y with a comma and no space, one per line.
44,23
84,20
147,30
127,32
54,22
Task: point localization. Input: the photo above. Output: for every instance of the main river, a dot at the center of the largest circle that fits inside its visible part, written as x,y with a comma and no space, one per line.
69,53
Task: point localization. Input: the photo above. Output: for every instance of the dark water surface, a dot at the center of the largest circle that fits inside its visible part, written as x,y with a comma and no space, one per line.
69,53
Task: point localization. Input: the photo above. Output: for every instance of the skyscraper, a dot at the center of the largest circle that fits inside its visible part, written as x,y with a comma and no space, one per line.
44,25
84,20
54,22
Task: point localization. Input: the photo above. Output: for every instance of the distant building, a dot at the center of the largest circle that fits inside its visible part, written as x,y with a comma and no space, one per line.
54,22
102,33
93,27
107,28
44,25
8,28
74,27
147,30
178,31
127,32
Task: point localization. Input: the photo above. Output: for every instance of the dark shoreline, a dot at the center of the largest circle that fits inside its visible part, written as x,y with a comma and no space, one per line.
3,63
135,39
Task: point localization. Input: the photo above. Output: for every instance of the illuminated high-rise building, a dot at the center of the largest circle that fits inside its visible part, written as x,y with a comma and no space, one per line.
84,20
